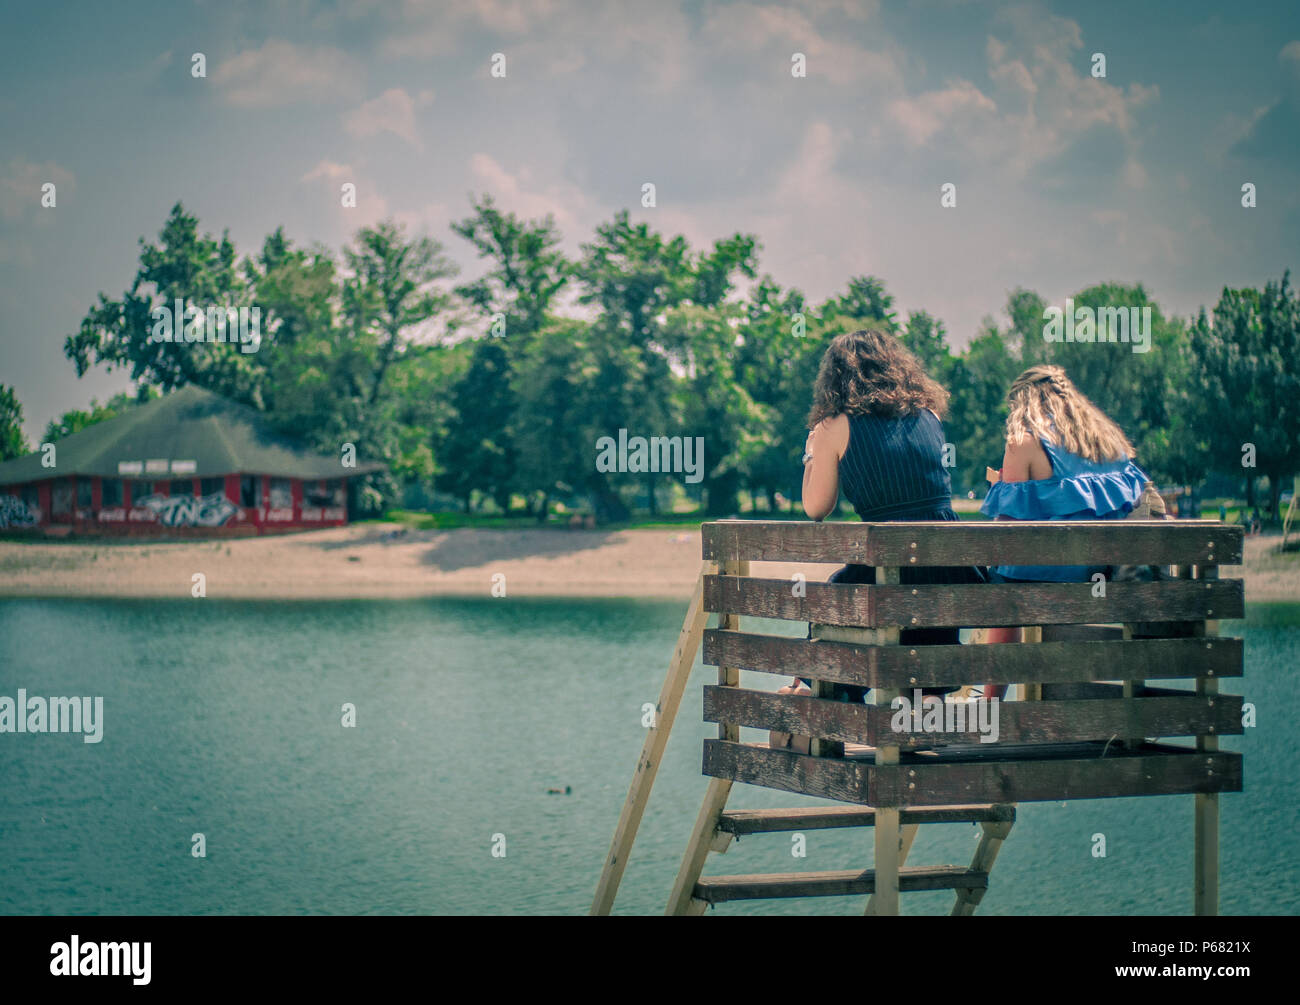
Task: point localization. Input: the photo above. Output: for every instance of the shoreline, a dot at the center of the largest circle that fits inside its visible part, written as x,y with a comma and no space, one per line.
370,561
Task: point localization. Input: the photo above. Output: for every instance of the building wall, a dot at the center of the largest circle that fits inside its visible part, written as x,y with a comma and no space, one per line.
96,505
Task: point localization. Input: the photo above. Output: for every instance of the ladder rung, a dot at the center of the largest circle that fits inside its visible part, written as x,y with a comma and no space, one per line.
818,818
850,882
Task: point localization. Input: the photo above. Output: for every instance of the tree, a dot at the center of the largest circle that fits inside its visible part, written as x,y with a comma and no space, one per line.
635,277
867,301
478,452
927,340
556,400
12,441
1135,389
977,409
199,271
75,421
392,293
1247,363
528,269
777,357
528,272
391,300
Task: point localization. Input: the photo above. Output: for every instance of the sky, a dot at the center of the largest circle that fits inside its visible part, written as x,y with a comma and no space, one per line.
1063,179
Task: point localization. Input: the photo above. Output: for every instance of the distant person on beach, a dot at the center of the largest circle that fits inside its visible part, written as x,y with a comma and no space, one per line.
1065,459
876,434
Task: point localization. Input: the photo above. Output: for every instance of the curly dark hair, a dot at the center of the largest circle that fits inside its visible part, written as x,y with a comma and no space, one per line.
870,372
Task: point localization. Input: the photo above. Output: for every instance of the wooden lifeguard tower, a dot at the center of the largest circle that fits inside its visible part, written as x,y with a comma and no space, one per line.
1088,725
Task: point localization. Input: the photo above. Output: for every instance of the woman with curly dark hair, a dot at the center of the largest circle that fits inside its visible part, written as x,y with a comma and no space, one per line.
876,434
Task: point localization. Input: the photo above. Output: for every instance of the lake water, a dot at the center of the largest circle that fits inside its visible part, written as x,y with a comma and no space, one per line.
223,718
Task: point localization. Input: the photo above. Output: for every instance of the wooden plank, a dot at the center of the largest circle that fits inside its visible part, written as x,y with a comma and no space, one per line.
652,749
1139,773
806,818
1072,542
846,883
937,666
842,780
821,717
1043,721
991,605
953,776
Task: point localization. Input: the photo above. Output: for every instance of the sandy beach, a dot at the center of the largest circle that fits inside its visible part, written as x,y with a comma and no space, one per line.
369,561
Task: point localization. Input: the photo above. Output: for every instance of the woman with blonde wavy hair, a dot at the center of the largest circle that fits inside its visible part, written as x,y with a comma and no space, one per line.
1065,459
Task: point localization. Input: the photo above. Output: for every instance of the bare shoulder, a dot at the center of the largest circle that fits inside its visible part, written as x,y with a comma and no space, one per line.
834,430
1025,459
1024,445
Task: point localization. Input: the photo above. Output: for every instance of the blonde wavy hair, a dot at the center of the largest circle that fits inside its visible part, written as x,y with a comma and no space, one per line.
1045,404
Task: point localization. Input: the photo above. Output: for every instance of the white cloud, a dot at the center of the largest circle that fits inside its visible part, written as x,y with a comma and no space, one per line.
779,31
281,73
517,193
392,112
425,29
1289,57
330,176
20,186
1042,100
921,117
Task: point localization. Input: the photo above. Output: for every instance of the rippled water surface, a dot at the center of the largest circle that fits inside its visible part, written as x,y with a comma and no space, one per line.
223,719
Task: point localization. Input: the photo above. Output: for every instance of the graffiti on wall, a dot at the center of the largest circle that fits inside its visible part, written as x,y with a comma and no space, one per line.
16,513
190,511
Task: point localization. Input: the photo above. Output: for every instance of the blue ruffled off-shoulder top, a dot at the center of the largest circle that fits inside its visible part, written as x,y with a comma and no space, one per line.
1077,490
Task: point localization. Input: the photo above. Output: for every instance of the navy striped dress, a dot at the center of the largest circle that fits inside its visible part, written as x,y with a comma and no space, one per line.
893,471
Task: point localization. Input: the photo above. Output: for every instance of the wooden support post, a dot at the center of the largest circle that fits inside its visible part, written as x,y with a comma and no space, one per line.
1206,896
730,676
1131,690
820,747
697,849
638,793
1031,634
888,834
986,853
904,847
